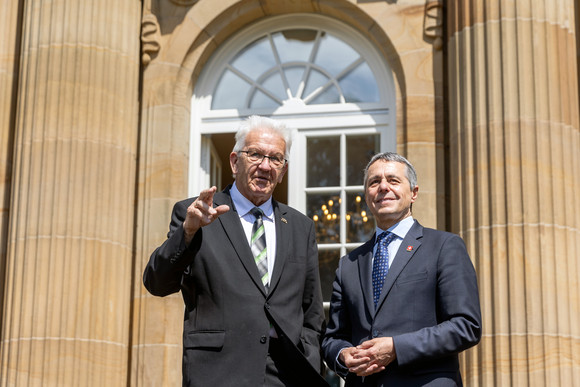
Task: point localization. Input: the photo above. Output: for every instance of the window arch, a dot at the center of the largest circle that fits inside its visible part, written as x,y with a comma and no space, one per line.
327,81
295,65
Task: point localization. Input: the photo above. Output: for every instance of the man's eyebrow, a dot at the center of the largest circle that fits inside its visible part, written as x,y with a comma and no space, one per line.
252,149
379,175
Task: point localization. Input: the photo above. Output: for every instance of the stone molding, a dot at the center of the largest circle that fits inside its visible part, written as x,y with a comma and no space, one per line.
184,3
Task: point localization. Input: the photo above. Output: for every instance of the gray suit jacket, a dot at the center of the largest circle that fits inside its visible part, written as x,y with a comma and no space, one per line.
228,314
429,305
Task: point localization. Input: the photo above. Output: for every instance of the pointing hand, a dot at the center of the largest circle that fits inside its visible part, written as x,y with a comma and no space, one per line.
201,213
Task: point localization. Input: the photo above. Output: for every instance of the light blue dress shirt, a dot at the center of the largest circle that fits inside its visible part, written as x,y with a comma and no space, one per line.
243,207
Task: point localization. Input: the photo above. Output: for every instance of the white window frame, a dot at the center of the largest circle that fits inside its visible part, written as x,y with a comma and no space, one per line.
299,172
360,117
210,163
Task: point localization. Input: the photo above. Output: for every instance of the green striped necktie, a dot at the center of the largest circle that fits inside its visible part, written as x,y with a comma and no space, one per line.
258,245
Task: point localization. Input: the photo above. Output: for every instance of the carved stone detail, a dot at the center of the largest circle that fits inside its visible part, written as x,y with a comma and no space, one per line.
150,37
433,27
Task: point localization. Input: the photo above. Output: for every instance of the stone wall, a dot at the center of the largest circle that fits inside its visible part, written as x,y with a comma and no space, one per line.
94,150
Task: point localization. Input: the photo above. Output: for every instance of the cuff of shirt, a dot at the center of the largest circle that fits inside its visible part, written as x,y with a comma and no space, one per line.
340,368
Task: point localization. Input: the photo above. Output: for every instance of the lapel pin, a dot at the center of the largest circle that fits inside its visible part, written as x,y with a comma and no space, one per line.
284,220
409,248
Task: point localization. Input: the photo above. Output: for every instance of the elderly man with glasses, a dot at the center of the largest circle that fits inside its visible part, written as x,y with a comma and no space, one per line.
247,268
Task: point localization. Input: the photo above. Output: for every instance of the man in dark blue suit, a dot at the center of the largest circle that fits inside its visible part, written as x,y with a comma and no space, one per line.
405,303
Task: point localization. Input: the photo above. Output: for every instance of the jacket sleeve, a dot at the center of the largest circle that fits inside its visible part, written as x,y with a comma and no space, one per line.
314,323
164,271
458,309
338,332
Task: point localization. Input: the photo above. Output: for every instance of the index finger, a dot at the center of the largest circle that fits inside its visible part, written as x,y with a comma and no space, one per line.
207,195
366,345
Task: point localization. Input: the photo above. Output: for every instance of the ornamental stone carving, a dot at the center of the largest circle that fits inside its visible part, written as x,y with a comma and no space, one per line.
150,37
433,26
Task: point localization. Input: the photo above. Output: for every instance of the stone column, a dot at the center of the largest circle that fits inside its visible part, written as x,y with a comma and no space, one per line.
9,53
515,179
67,304
157,330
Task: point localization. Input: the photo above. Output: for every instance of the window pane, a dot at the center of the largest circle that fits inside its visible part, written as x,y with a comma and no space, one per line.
275,86
360,224
230,92
359,151
294,45
360,85
323,160
327,262
334,55
294,76
256,58
324,209
261,100
315,80
330,95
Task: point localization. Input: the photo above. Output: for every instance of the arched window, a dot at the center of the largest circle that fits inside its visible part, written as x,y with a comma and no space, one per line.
323,79
301,66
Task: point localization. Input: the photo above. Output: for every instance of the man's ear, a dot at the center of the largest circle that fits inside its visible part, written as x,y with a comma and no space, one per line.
282,173
234,162
415,192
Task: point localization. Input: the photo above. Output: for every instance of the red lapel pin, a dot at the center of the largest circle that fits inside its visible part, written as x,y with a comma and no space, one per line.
409,248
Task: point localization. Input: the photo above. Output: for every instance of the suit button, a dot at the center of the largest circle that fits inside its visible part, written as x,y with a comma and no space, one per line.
375,333
263,339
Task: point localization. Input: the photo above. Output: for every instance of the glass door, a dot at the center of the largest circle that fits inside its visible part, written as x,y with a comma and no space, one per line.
333,192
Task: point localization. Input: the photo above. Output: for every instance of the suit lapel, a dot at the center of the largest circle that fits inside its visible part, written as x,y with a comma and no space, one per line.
283,227
232,226
403,256
364,271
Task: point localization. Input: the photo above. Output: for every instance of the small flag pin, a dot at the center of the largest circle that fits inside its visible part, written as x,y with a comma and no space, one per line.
409,248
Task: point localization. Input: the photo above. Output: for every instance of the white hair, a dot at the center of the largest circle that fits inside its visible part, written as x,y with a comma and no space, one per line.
258,122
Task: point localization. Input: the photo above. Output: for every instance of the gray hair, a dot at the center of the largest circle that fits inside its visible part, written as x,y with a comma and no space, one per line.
258,122
391,156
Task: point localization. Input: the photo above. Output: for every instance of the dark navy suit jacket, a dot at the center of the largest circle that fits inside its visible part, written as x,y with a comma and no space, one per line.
429,305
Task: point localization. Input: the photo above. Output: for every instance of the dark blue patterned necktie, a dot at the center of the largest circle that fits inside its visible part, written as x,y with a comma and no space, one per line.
381,264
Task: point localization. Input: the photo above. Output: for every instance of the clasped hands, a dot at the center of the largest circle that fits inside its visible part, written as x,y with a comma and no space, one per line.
369,357
201,213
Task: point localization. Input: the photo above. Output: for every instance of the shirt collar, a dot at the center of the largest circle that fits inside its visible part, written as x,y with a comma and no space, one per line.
243,205
399,229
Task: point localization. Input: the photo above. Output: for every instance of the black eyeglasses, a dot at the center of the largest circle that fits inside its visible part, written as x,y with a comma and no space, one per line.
257,158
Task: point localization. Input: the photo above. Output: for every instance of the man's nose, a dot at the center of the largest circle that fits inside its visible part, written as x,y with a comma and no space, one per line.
384,185
265,163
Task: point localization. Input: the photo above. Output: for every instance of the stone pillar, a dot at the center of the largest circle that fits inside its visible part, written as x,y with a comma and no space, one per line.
515,179
157,329
67,304
9,51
